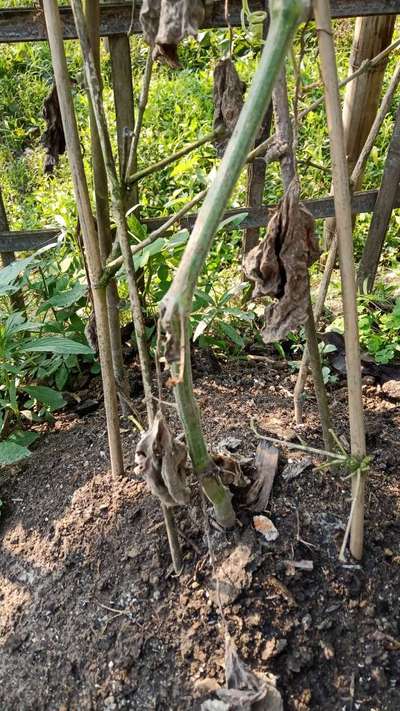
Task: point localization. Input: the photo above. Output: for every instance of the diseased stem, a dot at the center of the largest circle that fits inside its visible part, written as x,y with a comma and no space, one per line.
176,305
285,132
342,199
143,99
92,11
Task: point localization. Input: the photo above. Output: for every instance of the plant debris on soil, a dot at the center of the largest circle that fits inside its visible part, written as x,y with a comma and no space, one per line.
93,617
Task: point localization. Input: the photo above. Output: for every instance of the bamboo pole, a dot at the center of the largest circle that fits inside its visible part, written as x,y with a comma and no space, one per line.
143,99
342,199
332,254
176,305
92,11
372,35
116,193
382,213
116,196
89,234
285,134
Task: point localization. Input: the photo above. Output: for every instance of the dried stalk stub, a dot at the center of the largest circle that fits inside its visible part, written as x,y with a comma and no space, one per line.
161,460
228,101
278,266
165,23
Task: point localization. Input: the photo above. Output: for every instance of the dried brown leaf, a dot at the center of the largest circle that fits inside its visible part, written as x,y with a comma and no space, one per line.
278,266
245,690
161,460
228,101
230,470
166,22
53,138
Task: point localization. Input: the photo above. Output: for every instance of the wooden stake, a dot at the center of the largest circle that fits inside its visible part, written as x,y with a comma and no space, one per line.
89,234
372,35
116,194
17,300
342,198
92,11
332,254
382,213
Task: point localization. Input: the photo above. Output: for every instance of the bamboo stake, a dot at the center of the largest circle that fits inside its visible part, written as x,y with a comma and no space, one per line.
342,199
361,99
382,213
176,305
62,79
92,11
285,133
332,254
93,84
116,196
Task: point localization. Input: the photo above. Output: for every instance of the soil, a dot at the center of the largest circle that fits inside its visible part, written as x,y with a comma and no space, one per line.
94,618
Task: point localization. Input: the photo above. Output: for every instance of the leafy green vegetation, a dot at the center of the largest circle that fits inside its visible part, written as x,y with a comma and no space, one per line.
41,350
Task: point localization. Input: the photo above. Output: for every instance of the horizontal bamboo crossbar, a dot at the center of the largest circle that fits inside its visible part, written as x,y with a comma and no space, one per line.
27,24
321,208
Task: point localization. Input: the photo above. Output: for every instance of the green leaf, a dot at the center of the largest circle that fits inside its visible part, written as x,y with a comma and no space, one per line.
232,221
61,376
9,274
57,344
46,396
65,298
232,333
23,439
10,453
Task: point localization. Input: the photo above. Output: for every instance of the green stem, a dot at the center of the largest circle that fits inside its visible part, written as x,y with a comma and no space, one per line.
176,306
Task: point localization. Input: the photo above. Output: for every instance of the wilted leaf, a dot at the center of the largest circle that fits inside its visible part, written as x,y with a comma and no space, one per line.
279,266
161,460
245,690
165,23
228,101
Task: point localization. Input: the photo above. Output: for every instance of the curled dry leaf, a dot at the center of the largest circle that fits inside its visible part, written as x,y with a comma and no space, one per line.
278,266
228,101
245,690
166,22
230,470
161,460
53,138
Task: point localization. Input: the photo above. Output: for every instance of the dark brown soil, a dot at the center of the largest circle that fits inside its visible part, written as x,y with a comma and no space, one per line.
93,618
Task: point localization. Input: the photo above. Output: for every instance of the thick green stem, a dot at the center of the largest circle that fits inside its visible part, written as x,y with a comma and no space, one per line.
176,306
285,15
203,465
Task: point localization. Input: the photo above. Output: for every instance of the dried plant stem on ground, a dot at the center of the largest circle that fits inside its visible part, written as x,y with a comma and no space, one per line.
176,305
332,254
342,198
54,30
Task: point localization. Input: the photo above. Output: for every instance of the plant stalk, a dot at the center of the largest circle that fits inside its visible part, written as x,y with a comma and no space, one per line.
342,197
176,305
